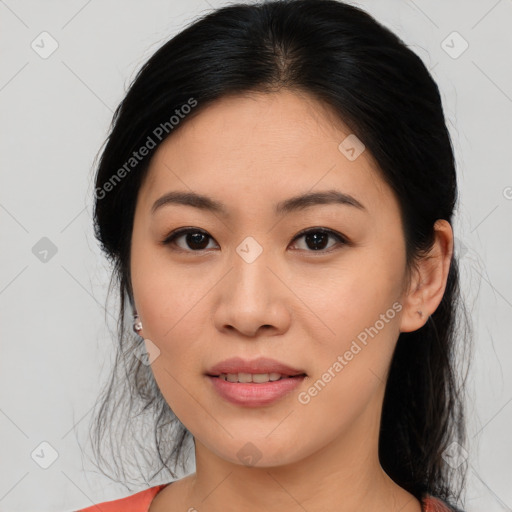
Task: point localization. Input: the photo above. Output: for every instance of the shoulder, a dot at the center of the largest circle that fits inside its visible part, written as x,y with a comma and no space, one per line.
433,504
138,502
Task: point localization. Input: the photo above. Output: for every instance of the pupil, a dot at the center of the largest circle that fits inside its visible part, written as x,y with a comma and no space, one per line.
315,237
197,238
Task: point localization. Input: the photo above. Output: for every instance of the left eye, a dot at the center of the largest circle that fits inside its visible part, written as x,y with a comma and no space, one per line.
316,239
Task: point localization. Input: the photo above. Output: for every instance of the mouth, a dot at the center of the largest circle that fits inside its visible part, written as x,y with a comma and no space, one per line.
258,370
256,378
256,383
251,393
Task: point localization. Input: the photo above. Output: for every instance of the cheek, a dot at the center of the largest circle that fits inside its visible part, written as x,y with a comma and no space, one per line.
350,369
359,310
352,296
173,318
171,378
166,295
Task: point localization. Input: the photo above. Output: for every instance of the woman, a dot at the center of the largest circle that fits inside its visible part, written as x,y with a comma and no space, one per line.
276,196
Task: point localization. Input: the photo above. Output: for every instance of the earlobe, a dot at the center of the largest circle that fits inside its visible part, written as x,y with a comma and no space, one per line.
413,320
137,324
414,313
428,286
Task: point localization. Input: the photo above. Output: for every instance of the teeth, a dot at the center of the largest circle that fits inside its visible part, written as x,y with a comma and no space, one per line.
251,377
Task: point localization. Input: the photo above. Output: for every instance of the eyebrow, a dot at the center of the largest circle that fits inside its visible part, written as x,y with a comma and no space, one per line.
293,204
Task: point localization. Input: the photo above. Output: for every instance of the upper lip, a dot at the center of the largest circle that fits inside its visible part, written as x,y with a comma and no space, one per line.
260,365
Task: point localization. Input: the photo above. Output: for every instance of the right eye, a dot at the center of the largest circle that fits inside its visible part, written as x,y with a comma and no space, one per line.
196,239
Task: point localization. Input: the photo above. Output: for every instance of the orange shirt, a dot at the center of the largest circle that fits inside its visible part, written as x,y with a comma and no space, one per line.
138,502
141,501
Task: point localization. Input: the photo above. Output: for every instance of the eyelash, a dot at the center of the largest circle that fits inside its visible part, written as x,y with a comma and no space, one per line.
184,231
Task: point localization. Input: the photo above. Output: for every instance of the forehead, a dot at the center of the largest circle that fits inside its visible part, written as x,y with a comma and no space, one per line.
263,147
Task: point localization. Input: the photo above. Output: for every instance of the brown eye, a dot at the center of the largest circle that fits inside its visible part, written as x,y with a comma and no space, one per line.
317,239
195,239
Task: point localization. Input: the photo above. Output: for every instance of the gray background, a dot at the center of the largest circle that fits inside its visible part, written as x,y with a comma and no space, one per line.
56,345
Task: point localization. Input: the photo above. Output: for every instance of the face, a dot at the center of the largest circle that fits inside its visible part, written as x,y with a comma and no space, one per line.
246,281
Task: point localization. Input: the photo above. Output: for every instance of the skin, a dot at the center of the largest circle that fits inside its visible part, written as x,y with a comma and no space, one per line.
294,304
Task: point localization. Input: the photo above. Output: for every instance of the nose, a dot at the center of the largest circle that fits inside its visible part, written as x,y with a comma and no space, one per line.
252,299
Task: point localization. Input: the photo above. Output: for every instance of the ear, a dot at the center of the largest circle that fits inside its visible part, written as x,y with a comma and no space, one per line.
428,282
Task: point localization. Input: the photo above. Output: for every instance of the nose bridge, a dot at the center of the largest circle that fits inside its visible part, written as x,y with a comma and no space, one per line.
250,273
250,297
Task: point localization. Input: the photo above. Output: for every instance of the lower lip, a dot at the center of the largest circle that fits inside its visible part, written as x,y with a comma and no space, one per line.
251,394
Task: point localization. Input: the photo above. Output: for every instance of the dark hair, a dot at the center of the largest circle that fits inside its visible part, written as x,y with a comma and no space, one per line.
341,56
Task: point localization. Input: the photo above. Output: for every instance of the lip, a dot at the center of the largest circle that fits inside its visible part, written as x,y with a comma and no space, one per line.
259,365
250,394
